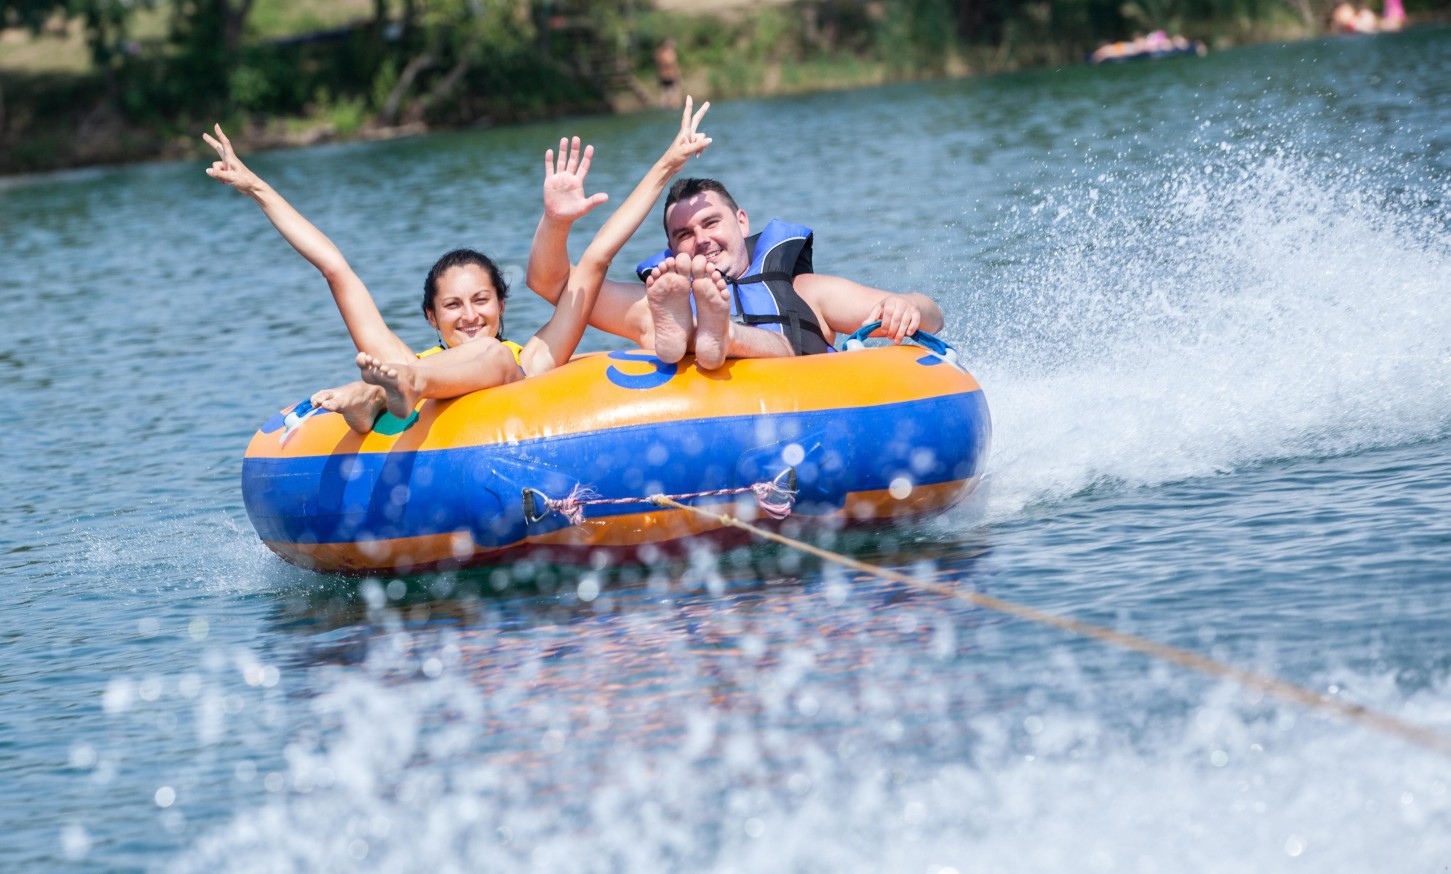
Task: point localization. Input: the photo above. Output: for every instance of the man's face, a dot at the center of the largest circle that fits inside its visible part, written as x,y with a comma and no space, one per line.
704,224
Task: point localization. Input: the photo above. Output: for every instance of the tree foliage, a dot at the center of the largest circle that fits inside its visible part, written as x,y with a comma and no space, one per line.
105,21
458,61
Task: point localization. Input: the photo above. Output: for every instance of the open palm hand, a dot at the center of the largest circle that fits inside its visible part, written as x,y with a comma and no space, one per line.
564,197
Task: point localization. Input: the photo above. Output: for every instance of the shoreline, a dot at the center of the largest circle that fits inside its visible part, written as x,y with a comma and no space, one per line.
131,144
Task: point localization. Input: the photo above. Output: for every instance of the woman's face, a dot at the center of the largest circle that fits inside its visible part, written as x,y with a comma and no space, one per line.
467,305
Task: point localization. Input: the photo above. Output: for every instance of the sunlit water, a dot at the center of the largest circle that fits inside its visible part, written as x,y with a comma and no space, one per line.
1207,300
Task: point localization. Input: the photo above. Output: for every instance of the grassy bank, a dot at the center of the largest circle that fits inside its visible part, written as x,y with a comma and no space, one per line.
303,72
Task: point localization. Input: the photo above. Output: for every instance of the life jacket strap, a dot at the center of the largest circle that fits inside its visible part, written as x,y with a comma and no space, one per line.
791,322
768,276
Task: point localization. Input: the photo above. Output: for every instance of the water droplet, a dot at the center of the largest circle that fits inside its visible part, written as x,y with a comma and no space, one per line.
118,695
83,756
149,689
75,842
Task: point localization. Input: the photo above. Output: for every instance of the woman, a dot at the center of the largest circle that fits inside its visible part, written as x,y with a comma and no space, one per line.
464,293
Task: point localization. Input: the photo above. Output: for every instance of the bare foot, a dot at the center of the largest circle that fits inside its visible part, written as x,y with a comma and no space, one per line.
712,315
398,381
359,403
668,291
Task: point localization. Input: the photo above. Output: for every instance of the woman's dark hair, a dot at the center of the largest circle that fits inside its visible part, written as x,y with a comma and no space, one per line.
464,258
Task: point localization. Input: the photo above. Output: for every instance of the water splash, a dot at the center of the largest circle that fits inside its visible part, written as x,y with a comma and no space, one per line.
468,771
1235,307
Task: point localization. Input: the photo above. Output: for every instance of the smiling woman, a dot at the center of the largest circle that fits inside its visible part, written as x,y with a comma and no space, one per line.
464,293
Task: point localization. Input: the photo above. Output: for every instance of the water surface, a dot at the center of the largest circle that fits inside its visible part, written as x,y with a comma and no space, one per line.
1206,299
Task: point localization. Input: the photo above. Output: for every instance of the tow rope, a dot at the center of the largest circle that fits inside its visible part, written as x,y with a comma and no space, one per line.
1359,714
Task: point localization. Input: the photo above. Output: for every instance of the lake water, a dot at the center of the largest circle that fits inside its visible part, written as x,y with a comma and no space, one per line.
1206,298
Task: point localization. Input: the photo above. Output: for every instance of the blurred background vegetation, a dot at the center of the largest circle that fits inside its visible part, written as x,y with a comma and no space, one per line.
94,81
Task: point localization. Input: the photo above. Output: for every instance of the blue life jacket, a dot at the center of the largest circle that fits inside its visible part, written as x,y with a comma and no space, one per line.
765,297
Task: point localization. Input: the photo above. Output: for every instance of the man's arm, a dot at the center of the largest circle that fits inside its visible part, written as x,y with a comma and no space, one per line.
564,204
846,305
621,308
751,342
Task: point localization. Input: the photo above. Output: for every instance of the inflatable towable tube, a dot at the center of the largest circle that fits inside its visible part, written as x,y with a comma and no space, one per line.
567,461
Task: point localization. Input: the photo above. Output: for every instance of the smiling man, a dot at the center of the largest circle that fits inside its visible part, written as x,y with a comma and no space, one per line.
722,292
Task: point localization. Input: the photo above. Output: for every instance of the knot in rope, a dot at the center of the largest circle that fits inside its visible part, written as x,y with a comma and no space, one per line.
774,498
572,505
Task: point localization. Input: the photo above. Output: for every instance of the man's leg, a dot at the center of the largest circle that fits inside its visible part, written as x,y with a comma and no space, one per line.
667,289
712,314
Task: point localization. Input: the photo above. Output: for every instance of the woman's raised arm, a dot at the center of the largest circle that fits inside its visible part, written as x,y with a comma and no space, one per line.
360,313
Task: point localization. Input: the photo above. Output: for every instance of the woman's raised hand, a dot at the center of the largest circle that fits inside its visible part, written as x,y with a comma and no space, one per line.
230,170
688,143
564,198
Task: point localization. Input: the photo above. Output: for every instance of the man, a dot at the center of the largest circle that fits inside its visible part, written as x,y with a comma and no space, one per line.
719,291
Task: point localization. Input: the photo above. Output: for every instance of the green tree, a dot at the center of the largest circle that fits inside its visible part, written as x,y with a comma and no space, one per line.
105,21
206,36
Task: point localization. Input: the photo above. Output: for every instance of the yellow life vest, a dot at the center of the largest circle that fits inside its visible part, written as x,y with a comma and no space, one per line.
510,344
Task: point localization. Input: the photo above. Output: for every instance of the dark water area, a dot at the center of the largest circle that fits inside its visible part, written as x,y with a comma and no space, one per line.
1206,299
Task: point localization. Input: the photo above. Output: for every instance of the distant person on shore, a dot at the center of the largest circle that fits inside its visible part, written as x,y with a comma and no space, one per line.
1156,44
722,292
464,293
1350,18
1393,15
667,72
1342,18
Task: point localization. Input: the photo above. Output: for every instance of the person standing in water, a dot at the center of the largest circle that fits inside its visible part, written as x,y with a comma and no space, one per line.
667,72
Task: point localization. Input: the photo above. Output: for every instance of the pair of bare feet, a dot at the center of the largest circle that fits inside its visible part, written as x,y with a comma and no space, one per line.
394,387
669,288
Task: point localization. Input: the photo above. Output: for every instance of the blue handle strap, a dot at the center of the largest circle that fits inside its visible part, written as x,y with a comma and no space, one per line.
929,341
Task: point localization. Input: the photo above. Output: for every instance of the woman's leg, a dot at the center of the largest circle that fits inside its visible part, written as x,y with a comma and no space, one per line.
463,370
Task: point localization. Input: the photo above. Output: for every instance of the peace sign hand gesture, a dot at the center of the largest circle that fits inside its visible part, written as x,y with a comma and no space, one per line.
230,170
688,143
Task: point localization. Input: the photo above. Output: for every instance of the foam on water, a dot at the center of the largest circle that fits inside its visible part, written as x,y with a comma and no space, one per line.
1252,305
207,551
411,777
